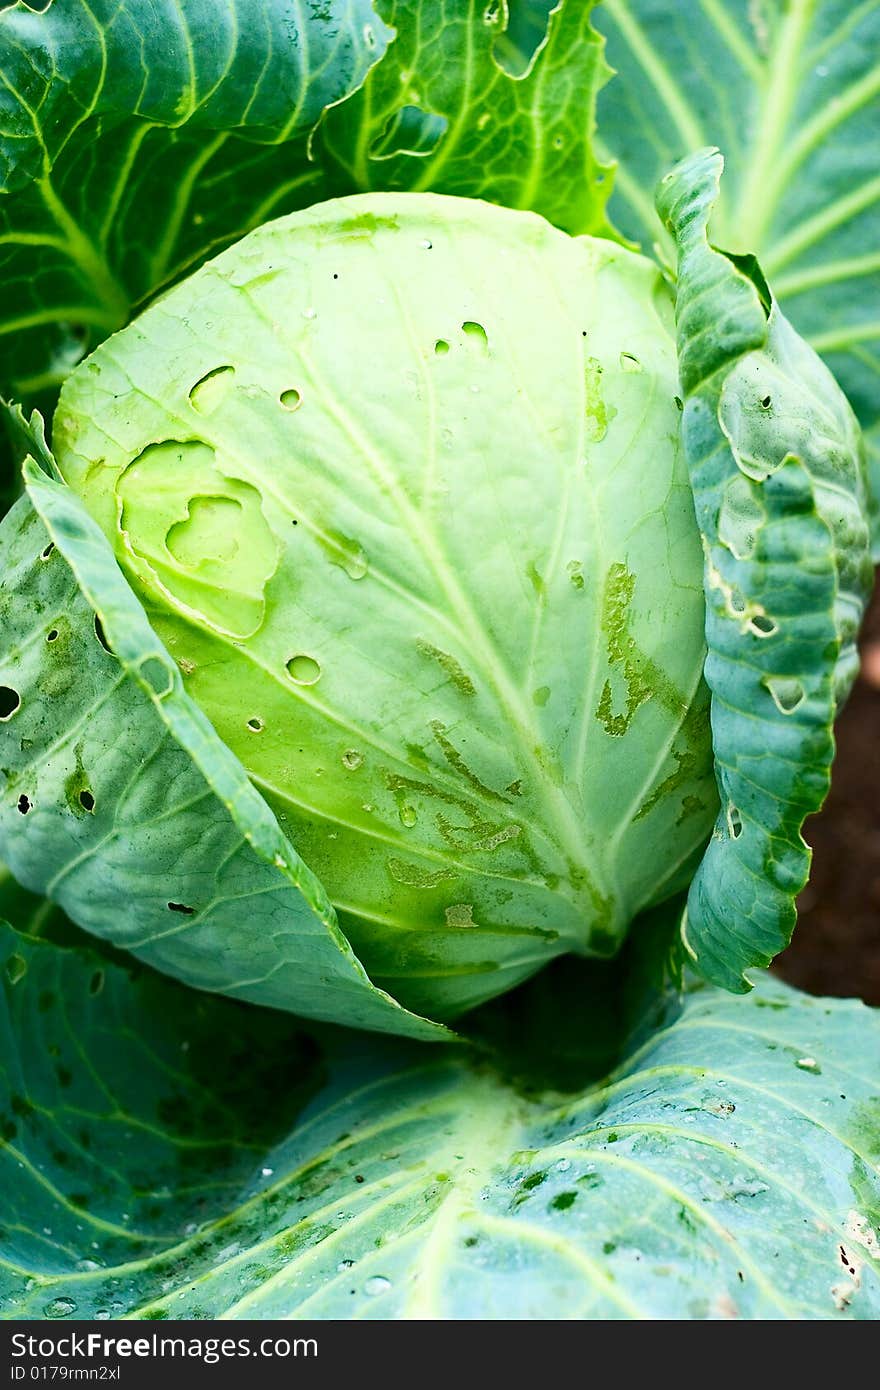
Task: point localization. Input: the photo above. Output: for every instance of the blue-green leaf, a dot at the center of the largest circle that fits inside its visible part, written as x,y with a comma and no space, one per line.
172,1155
790,92
777,476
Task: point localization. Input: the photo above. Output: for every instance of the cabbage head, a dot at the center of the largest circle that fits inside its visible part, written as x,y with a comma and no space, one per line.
399,481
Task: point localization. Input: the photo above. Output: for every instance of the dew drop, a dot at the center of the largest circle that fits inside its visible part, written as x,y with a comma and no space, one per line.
355,562
563,1165
344,1264
267,1172
310,313
441,347
809,1064
291,399
102,1315
376,1286
60,1308
408,815
305,670
87,1266
352,759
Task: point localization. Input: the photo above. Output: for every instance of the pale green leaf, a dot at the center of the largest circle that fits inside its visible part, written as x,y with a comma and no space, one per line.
118,801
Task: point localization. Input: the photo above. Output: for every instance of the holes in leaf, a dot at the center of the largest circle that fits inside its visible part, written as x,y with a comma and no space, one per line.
96,983
679,403
491,12
212,527
476,336
629,362
441,347
516,42
52,635
740,518
305,670
255,726
291,399
181,907
209,390
47,550
734,822
10,701
86,800
16,969
102,636
763,626
787,692
409,130
24,804
157,676
766,402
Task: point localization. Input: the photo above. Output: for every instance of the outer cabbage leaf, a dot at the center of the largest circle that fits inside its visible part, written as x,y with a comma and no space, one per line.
790,92
138,137
443,112
399,482
172,1155
120,802
778,482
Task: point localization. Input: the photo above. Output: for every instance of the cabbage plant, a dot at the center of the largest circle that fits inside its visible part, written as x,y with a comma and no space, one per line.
416,592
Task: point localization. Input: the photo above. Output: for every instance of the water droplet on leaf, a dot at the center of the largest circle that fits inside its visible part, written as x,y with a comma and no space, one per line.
376,1286
60,1308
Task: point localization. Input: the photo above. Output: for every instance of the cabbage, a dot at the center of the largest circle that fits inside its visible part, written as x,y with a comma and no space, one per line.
399,483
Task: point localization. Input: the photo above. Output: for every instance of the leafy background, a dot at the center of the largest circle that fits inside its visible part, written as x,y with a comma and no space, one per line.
724,1167
135,140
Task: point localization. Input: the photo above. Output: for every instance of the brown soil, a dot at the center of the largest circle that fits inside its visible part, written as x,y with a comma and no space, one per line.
836,947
